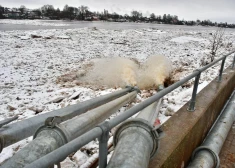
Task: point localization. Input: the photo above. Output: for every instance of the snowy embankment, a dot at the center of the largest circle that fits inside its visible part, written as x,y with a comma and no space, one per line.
32,61
32,22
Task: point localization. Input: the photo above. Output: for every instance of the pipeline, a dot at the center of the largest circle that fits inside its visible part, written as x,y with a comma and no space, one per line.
136,140
206,155
61,153
53,135
15,132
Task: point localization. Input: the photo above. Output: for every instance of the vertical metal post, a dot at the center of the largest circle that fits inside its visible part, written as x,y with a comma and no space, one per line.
103,144
192,102
103,149
233,62
221,70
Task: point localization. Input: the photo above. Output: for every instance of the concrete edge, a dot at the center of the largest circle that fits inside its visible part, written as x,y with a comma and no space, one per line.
184,131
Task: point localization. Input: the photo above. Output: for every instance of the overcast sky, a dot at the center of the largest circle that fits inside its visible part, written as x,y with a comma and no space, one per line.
215,10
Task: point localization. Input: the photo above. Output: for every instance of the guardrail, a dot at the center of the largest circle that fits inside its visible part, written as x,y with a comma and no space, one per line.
102,130
20,130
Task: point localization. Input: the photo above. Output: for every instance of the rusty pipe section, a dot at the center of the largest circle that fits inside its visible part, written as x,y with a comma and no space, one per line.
206,155
136,140
12,133
52,136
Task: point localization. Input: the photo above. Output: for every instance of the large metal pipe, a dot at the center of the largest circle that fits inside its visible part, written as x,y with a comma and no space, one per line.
48,139
61,153
206,155
15,132
151,112
136,140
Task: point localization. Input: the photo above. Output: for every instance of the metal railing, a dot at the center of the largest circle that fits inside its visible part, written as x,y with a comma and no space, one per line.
198,73
15,132
102,130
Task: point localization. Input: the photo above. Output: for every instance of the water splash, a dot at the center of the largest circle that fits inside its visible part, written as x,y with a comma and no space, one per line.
120,72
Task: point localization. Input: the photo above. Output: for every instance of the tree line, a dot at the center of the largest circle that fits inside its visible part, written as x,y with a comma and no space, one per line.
83,13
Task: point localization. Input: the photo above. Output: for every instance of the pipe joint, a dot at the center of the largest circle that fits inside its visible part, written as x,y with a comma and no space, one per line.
141,124
56,129
51,122
206,148
133,88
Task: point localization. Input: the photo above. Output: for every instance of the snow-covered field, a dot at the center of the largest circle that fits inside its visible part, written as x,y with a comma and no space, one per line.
32,61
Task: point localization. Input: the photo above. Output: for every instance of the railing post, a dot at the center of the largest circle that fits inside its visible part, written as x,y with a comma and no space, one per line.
103,145
221,70
192,102
233,62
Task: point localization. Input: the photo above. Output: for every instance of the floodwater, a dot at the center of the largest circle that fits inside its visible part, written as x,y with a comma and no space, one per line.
101,25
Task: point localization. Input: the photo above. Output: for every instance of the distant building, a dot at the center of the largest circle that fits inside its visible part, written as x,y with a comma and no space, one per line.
110,20
120,20
89,18
34,15
95,18
12,13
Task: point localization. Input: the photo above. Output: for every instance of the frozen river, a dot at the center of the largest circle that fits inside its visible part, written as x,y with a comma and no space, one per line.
98,24
34,72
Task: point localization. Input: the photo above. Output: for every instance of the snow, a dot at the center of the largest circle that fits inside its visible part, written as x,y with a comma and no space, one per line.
185,39
178,98
63,37
90,161
80,158
30,67
31,22
12,149
24,37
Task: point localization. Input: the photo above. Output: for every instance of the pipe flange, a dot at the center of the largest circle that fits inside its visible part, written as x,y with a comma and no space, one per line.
214,154
141,123
56,129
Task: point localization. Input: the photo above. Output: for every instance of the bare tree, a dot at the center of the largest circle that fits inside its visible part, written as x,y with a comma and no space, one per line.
136,15
152,16
83,9
22,9
48,10
216,43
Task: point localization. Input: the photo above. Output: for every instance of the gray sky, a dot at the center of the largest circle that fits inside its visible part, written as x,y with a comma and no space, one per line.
215,10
